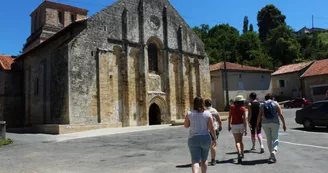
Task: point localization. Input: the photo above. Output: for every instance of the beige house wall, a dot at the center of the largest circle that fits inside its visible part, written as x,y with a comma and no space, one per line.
292,83
239,83
315,81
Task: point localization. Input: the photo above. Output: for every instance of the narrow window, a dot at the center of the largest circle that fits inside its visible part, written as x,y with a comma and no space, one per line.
153,58
281,83
73,17
60,17
36,86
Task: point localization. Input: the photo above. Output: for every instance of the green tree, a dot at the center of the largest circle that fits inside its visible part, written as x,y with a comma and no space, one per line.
245,28
251,28
202,31
269,18
222,41
282,45
248,42
250,51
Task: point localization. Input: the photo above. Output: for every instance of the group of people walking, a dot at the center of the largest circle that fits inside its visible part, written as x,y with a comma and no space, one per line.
204,124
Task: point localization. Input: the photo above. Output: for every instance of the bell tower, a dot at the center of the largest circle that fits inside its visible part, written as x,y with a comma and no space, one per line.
48,19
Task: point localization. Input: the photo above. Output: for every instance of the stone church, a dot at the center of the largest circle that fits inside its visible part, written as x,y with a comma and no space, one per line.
134,63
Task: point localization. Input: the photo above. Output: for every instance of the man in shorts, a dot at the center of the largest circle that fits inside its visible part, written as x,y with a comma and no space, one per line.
217,127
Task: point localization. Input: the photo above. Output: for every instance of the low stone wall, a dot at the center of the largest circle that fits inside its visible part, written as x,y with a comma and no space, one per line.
62,129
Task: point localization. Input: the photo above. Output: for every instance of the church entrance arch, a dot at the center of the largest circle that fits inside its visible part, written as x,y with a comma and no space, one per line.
154,114
158,111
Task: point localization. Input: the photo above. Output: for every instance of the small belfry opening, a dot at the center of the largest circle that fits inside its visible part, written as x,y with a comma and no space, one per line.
154,114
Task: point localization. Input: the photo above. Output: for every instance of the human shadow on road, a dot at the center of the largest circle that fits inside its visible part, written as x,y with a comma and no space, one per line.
233,153
217,162
184,166
317,129
224,161
254,162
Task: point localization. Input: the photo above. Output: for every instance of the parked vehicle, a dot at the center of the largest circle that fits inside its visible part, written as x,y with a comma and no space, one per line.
313,115
297,103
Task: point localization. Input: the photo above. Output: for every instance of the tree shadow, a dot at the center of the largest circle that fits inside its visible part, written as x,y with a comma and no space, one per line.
317,129
255,162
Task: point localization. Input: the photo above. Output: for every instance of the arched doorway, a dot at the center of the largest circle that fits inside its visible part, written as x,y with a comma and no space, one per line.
154,114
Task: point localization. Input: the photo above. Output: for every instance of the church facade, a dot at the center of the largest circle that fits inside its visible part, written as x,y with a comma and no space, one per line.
134,63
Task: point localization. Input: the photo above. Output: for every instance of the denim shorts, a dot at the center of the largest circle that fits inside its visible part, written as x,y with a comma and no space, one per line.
199,147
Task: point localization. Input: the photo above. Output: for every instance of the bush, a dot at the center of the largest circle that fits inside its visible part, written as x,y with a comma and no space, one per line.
6,142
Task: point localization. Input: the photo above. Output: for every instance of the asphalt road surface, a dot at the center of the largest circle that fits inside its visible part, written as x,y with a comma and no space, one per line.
164,150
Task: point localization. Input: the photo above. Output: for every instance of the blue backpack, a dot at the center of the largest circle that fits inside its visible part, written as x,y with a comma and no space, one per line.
268,110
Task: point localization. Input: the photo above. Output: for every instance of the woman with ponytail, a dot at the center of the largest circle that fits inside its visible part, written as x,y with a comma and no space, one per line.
200,123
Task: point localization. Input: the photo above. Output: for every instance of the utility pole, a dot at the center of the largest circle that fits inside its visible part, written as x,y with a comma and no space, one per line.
226,82
312,22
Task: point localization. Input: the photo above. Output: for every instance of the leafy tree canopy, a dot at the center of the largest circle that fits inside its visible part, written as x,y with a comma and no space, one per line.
269,18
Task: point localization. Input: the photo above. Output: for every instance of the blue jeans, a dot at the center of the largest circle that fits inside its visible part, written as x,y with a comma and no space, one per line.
271,131
199,147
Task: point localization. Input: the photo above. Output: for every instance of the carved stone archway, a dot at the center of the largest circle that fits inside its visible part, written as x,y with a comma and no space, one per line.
163,109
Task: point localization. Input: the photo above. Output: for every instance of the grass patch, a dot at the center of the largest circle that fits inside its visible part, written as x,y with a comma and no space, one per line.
5,142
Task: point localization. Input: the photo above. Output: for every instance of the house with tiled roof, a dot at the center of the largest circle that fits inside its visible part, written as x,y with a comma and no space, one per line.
242,80
286,81
315,80
10,92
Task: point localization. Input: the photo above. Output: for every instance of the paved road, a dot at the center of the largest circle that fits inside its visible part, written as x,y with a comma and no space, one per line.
161,150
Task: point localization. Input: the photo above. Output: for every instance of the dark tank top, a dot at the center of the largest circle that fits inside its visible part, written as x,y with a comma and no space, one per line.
255,107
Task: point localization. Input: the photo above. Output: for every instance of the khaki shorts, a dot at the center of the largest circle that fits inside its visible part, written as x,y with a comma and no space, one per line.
237,128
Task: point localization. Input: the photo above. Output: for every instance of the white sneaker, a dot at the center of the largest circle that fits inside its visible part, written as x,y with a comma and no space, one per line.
273,156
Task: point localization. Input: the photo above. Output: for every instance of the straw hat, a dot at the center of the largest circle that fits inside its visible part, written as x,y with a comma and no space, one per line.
239,98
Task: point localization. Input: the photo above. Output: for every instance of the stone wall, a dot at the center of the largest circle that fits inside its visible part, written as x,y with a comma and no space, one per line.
108,65
45,73
292,81
11,98
314,81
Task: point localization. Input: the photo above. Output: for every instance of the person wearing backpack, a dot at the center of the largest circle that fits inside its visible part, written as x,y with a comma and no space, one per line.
269,114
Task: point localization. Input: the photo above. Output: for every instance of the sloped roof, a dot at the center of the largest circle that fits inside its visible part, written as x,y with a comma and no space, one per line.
237,67
319,67
54,37
292,68
6,61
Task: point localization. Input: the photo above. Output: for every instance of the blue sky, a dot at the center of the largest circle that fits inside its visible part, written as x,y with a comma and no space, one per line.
15,19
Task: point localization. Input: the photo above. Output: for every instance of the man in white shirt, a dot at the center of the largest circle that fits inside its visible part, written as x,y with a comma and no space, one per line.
217,127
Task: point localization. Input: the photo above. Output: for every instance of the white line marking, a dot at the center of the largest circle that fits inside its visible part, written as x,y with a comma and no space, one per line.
320,133
304,145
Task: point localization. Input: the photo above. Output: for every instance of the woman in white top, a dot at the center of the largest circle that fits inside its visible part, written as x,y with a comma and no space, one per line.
200,123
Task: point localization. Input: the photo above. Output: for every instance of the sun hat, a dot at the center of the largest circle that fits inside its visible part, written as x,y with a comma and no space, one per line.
239,98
